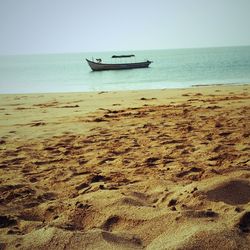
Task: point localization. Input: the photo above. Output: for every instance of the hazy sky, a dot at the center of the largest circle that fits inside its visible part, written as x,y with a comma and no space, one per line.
52,26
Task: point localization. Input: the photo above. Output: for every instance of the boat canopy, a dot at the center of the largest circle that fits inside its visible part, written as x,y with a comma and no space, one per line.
121,56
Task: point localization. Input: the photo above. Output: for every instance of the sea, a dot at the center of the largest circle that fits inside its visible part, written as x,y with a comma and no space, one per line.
173,68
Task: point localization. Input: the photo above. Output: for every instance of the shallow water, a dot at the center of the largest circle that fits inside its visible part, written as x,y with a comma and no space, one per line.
170,69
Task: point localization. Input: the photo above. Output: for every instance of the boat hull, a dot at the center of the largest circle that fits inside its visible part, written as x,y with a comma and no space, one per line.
105,66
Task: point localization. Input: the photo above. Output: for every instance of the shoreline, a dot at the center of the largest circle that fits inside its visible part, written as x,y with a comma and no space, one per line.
132,90
135,169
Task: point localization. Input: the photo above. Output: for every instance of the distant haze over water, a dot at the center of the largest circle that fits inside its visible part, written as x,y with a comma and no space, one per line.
179,68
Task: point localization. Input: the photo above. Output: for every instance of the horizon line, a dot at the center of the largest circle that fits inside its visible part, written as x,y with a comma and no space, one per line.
112,51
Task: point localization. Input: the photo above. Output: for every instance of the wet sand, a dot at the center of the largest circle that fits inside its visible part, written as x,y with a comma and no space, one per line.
158,169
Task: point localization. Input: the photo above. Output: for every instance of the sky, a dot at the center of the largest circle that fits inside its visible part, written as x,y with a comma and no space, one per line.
61,26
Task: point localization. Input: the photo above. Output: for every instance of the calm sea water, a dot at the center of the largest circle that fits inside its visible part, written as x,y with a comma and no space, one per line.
170,69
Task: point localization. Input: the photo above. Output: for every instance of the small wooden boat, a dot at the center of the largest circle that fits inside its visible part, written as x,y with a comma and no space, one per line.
98,65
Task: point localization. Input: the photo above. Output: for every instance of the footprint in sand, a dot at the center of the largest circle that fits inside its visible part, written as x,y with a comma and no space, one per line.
2,142
244,223
37,123
233,192
70,106
110,222
201,214
148,99
191,170
6,221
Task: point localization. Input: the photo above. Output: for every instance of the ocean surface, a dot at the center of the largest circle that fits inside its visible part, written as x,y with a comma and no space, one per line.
178,68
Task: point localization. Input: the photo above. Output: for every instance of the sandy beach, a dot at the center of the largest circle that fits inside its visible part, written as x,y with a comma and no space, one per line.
153,169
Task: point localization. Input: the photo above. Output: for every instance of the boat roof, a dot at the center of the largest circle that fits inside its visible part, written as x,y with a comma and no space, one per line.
120,56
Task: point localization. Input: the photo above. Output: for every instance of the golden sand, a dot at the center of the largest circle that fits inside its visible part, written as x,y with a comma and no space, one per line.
158,169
